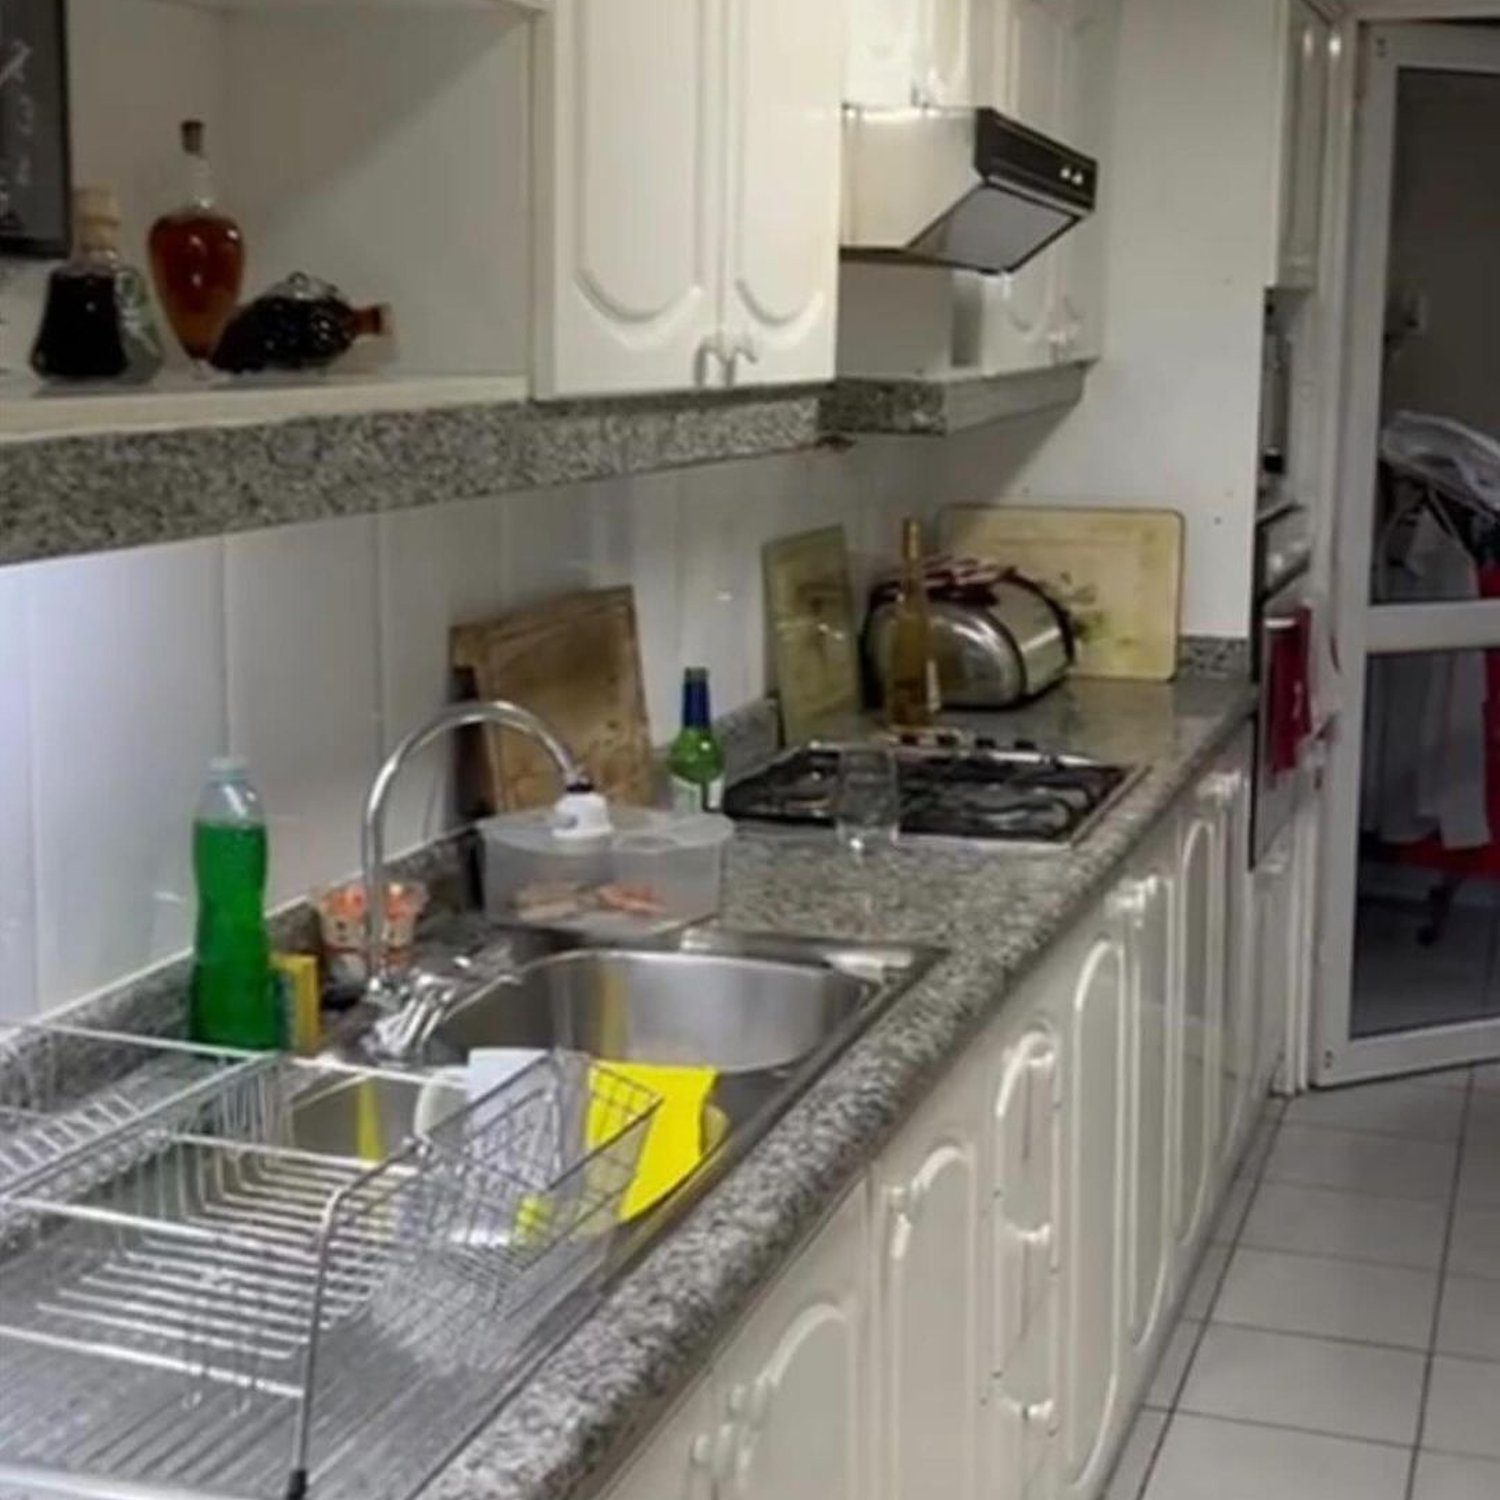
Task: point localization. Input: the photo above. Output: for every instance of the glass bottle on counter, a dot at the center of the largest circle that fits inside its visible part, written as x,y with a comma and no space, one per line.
911,686
96,321
197,256
696,759
301,323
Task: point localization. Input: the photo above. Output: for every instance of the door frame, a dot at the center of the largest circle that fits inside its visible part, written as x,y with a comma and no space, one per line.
1362,206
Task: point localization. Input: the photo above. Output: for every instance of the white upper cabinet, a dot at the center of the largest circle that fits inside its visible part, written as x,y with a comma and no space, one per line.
1306,76
929,1205
1029,41
1086,123
792,1383
781,226
904,52
1051,64
630,138
688,193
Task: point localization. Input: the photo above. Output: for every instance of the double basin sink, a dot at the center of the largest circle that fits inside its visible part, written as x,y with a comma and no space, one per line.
768,1013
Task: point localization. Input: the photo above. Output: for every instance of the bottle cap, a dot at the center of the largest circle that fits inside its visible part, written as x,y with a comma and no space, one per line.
228,767
695,674
192,137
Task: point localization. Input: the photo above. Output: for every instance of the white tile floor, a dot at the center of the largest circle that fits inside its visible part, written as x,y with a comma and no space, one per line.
1342,1339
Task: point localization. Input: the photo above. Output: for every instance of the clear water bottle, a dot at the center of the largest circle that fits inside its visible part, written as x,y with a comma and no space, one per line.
235,1002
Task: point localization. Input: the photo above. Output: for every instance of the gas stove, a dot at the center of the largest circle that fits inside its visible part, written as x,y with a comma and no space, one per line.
974,791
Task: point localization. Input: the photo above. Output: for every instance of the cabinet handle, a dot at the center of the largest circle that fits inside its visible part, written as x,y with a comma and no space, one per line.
721,1462
737,1400
714,347
760,1400
900,1200
746,348
1132,900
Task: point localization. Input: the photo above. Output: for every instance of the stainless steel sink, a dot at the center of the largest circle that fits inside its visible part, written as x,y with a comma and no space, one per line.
769,1013
736,1014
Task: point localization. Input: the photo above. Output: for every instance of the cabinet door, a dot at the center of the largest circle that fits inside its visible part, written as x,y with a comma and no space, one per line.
1307,74
1237,1065
1022,1416
630,151
884,53
1150,1050
1028,1175
1197,1021
930,1204
676,1463
1085,122
791,1384
1275,948
1095,1137
949,53
781,228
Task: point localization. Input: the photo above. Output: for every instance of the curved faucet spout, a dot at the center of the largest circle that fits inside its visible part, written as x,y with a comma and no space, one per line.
494,711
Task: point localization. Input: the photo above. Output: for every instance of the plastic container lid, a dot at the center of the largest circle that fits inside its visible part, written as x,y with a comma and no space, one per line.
637,830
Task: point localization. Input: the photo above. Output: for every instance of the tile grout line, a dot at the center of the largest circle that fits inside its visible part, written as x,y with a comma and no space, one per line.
1258,1177
1347,1260
1437,1306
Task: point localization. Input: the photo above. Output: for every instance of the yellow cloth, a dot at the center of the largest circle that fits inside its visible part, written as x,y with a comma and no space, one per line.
674,1143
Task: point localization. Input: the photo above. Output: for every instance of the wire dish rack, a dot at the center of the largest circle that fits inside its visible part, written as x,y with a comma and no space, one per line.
67,1095
233,1311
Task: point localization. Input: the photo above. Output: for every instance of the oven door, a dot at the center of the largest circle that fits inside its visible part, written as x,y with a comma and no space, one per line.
1285,716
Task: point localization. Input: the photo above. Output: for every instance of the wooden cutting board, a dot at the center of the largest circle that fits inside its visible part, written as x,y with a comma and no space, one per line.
810,612
576,663
1117,572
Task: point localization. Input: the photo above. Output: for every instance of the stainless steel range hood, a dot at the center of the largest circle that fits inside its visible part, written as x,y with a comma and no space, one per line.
966,188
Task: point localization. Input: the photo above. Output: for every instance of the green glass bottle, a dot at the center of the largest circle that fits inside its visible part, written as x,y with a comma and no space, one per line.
696,759
235,999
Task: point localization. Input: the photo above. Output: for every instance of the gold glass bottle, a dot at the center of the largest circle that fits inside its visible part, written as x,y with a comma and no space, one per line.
197,256
911,685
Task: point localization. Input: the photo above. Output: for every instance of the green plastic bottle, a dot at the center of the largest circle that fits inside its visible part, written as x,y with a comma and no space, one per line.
235,1000
696,758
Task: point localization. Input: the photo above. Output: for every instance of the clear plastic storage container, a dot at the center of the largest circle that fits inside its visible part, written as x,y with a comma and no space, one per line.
653,870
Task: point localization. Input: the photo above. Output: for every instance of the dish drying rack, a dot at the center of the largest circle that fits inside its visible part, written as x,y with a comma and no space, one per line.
194,1302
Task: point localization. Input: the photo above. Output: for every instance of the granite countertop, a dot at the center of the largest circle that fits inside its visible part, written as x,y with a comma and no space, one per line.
995,913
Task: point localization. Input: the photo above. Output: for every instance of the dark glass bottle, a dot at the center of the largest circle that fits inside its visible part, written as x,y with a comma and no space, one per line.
298,324
197,256
96,323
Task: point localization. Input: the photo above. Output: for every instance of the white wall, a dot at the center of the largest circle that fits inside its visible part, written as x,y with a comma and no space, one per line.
312,648
1445,240
385,150
1170,415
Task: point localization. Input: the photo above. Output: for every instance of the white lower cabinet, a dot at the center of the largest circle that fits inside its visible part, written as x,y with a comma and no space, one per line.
1095,1135
1023,1403
1147,904
929,1208
792,1384
982,1314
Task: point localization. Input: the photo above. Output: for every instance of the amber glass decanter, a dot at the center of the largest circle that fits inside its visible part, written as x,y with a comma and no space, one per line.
197,257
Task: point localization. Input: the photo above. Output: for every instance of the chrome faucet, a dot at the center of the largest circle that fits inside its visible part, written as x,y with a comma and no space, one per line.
386,990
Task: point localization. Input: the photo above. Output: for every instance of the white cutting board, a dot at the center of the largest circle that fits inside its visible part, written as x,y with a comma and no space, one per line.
1117,572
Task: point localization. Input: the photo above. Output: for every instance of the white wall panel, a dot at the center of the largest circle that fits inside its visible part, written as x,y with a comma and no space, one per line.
126,658
303,695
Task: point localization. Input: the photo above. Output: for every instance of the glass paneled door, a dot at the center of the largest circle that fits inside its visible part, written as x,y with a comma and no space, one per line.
1412,971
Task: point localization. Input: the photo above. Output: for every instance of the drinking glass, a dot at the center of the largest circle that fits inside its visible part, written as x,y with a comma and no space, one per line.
867,802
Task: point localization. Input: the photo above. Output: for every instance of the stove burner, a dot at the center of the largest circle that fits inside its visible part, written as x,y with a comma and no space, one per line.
979,793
